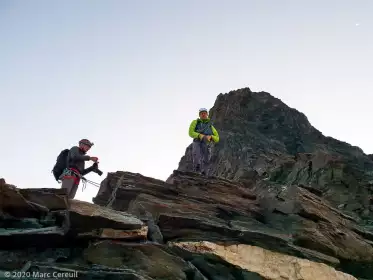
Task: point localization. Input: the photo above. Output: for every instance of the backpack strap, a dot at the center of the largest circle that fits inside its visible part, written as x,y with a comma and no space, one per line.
198,121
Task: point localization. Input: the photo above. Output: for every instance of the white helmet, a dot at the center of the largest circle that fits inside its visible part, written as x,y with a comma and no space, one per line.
203,110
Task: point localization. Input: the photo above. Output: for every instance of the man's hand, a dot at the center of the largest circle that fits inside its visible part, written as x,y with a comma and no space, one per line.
208,138
201,136
95,159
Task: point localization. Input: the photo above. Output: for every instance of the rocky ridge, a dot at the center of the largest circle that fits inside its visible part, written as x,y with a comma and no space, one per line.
190,227
261,134
283,202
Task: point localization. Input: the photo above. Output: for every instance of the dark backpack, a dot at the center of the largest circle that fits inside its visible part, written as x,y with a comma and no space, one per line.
61,164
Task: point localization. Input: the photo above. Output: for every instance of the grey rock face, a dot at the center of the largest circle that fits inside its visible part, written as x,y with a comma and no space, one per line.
259,133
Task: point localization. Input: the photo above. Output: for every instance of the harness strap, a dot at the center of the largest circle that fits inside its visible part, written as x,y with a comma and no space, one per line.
71,173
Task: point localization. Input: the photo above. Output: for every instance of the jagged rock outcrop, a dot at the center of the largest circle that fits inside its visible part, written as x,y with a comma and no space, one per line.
284,202
189,228
291,221
261,134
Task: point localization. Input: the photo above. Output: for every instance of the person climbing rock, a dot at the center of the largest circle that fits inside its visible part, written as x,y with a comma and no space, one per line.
204,135
75,164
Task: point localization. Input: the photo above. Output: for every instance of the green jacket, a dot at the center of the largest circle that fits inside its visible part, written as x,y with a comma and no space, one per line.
194,134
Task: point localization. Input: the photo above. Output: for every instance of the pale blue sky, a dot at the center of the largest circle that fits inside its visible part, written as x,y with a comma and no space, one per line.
131,75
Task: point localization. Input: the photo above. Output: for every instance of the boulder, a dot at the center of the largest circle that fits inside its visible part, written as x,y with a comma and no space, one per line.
90,219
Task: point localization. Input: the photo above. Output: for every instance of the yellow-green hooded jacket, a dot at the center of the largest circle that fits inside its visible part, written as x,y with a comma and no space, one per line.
200,126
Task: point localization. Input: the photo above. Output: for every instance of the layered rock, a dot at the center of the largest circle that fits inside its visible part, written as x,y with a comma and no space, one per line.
268,264
290,221
261,134
44,235
191,227
284,202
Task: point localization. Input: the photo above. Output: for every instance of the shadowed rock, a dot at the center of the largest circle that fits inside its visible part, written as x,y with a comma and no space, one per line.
289,220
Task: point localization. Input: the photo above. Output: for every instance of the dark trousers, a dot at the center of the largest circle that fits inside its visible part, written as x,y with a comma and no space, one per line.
201,151
70,183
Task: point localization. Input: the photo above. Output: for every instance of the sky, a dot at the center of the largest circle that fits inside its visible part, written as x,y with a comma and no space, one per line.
131,75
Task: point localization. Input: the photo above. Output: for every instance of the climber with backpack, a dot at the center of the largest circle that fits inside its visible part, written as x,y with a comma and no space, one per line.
204,134
70,166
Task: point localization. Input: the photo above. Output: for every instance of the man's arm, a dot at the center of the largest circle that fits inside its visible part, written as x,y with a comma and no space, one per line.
76,156
192,127
215,137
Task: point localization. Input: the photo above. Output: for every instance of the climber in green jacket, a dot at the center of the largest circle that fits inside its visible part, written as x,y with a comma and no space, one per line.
204,135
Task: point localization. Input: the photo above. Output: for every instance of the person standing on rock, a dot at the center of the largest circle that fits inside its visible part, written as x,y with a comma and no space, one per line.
204,134
76,158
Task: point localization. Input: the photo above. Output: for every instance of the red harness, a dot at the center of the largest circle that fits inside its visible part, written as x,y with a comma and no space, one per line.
73,176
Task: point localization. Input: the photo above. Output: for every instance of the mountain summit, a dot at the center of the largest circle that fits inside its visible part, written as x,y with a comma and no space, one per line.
262,135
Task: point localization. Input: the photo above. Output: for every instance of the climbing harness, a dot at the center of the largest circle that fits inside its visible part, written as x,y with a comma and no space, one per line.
70,172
